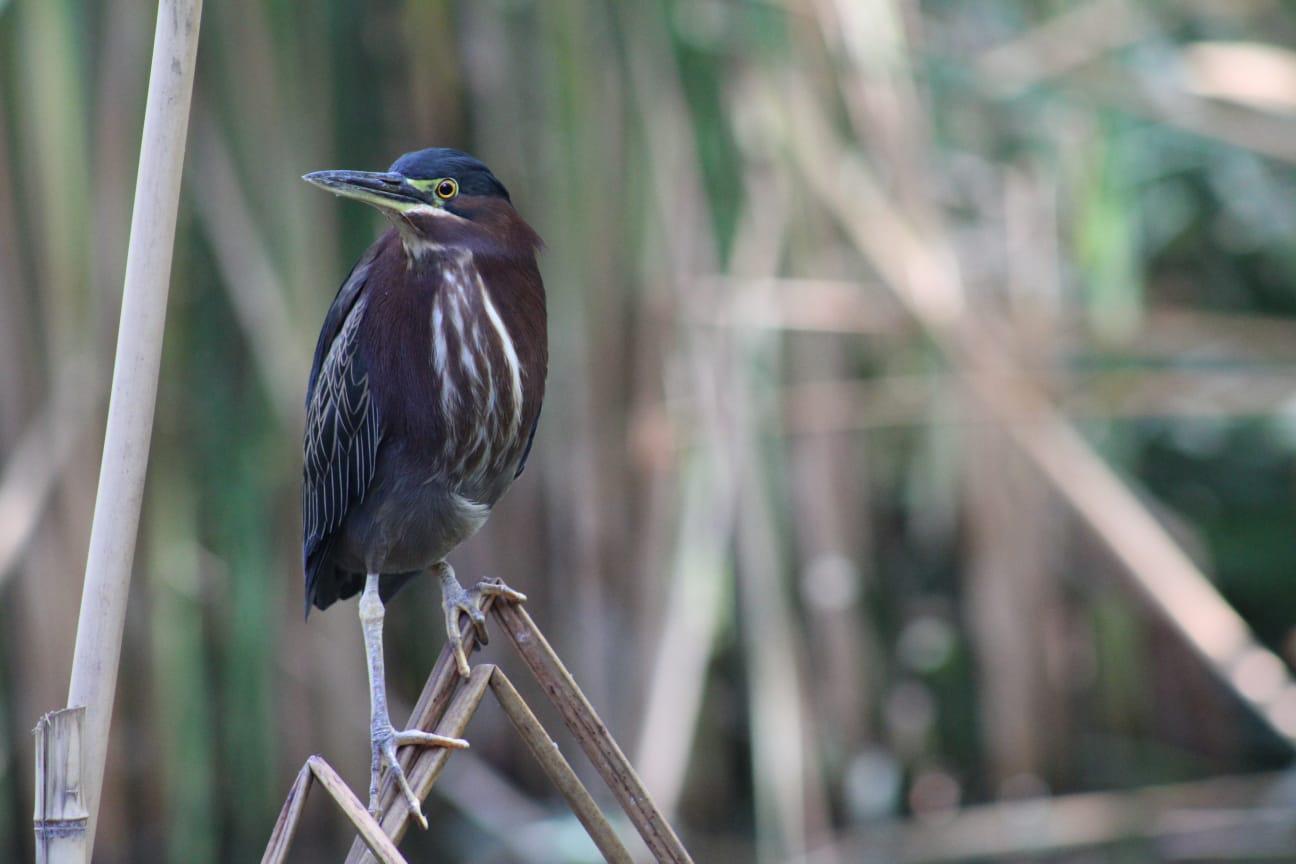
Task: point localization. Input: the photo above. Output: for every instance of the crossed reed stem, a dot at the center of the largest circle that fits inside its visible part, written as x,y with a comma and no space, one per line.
447,703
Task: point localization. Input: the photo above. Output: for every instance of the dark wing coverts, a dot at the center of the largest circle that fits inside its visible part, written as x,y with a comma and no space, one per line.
342,436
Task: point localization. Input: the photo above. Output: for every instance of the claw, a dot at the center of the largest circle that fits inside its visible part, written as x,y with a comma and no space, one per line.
453,608
385,743
497,588
455,601
418,737
411,801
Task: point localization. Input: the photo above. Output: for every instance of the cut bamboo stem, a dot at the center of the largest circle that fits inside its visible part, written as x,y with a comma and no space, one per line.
592,735
134,388
559,770
60,813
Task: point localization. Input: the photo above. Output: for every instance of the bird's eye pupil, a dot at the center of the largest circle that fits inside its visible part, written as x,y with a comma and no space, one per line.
447,188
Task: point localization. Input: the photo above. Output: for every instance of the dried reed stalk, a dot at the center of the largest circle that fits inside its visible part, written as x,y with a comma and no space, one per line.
134,388
448,703
593,737
316,769
559,770
285,829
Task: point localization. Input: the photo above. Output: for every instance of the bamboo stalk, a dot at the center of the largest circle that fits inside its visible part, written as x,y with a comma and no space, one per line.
60,813
559,770
593,736
134,389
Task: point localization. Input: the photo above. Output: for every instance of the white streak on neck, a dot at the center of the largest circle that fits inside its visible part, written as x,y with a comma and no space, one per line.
510,355
440,356
415,243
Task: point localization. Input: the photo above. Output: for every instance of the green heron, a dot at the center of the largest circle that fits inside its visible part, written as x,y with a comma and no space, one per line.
422,403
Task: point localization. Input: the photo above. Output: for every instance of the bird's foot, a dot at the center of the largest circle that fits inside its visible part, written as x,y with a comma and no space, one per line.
456,601
385,740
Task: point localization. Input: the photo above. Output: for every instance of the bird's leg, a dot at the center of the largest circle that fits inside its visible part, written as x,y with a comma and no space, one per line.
383,738
456,601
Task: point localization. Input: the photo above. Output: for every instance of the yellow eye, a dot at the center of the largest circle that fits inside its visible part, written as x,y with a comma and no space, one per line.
447,189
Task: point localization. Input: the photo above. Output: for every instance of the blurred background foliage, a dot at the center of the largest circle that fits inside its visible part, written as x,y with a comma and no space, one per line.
879,330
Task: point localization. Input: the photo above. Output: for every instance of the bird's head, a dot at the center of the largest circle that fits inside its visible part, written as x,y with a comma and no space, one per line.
421,186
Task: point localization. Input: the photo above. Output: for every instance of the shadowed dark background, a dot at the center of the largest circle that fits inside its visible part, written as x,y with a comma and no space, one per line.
896,347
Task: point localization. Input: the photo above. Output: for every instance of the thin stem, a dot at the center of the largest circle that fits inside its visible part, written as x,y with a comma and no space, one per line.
591,734
559,770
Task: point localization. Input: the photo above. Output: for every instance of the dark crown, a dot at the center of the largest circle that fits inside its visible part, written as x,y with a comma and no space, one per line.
473,176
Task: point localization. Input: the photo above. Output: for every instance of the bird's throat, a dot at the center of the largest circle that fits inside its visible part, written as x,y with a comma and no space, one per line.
412,225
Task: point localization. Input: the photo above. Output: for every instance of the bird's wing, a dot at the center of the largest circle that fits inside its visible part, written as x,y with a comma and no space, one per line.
337,314
342,427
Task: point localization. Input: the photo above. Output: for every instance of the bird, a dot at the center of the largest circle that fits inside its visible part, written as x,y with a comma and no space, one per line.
422,405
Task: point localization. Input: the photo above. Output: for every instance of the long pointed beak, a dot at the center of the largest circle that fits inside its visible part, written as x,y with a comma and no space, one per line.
388,191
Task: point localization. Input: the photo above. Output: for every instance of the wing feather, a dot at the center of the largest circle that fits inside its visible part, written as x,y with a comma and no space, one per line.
343,432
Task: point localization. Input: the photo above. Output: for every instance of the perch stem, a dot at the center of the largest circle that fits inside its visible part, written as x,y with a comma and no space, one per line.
592,735
559,770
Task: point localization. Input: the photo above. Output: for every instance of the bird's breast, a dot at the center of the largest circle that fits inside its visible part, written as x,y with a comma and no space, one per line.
467,407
